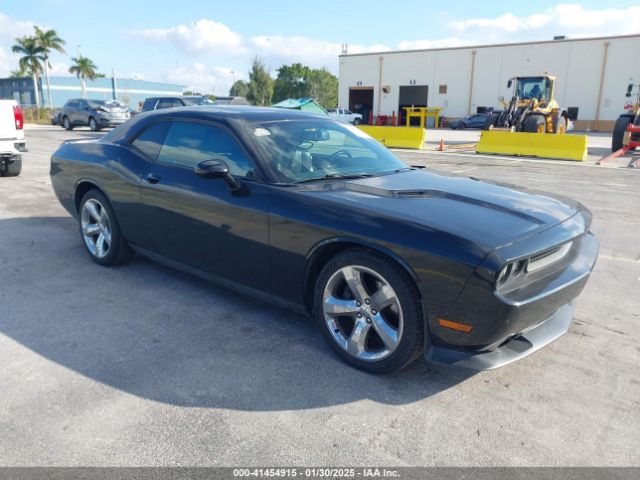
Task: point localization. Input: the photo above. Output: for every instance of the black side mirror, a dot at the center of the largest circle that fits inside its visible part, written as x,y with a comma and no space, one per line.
509,83
629,90
217,169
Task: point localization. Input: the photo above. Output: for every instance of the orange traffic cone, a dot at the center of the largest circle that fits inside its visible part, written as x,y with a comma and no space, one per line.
441,146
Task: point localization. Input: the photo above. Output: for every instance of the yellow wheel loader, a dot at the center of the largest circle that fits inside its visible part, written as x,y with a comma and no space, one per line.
532,124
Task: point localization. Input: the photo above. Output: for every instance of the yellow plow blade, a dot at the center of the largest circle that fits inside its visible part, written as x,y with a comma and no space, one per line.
541,145
401,137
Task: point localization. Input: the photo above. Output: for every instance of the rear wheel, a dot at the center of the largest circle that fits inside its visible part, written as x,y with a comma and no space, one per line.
534,124
618,131
369,311
100,231
356,121
13,167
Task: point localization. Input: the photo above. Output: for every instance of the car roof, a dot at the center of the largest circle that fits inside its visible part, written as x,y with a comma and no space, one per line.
225,114
239,112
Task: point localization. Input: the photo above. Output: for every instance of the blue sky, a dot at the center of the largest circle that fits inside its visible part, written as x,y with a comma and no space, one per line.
208,44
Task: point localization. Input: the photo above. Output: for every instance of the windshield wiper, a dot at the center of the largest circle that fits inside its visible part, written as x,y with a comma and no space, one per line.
331,176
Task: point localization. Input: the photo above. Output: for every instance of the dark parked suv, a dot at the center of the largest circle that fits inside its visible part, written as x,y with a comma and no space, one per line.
156,103
95,114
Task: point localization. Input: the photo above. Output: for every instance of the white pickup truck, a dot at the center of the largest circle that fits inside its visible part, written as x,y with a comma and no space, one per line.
346,115
12,143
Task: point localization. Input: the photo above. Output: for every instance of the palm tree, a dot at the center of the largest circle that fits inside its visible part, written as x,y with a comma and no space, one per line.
48,40
31,60
20,73
84,68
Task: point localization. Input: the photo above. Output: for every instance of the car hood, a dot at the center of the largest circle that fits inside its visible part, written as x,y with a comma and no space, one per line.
488,214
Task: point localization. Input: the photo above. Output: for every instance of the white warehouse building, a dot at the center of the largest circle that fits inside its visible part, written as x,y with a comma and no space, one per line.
592,77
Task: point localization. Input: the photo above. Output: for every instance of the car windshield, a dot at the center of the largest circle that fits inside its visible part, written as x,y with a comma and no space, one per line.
315,149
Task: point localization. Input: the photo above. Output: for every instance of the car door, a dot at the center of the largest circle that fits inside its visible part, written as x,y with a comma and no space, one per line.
199,222
476,121
81,114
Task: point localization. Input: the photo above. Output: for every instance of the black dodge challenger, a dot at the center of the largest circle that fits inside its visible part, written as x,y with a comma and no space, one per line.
392,261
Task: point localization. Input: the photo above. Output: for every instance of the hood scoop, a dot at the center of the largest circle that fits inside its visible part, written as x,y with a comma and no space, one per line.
429,193
386,192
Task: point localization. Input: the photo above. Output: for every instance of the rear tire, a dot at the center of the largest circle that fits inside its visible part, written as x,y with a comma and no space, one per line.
13,167
618,131
490,121
356,121
100,231
560,125
534,124
386,339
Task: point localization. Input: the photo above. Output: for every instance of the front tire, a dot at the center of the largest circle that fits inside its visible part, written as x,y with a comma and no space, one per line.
369,311
534,124
100,231
66,124
93,125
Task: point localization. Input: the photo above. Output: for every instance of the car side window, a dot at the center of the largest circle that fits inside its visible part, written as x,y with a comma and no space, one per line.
165,103
150,140
186,144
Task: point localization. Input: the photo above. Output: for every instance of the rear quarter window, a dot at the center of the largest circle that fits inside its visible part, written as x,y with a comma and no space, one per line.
149,142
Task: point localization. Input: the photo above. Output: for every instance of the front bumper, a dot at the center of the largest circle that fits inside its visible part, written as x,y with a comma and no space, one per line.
507,327
511,350
111,122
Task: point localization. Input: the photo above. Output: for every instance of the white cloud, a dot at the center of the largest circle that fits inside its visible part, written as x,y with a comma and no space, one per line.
199,77
202,36
10,28
572,20
211,42
279,49
59,69
5,67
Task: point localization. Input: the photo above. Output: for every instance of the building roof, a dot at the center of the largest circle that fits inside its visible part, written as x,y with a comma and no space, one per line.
492,45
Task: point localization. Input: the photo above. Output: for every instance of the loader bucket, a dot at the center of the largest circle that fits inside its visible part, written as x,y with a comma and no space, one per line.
541,145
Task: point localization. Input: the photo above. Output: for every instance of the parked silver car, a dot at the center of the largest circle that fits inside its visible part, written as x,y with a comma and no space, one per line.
95,114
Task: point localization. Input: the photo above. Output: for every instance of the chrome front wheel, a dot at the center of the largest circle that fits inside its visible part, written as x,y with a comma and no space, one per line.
363,313
369,310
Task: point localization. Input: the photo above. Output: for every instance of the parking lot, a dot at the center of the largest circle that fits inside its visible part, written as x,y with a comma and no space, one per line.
143,365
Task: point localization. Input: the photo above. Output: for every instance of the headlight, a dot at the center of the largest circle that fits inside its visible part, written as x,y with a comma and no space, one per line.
519,268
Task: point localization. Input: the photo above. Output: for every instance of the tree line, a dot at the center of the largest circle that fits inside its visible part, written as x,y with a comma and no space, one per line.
35,51
293,81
